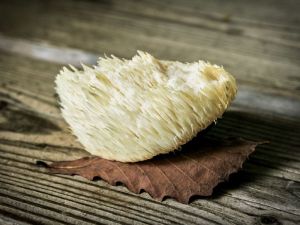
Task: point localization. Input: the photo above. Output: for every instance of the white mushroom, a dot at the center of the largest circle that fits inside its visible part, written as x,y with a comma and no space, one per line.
132,110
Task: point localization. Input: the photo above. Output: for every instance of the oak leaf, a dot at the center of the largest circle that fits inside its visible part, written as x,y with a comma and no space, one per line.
195,170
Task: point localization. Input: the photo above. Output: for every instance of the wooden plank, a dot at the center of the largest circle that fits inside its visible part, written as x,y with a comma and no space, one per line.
75,57
114,197
264,63
284,103
19,173
6,219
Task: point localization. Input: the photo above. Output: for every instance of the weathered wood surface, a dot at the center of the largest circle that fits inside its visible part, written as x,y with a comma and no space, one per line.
257,41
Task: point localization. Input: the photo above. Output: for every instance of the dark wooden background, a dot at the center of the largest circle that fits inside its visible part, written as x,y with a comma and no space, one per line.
257,41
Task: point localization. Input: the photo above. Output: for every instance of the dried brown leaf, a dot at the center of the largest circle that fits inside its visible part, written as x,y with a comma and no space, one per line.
195,170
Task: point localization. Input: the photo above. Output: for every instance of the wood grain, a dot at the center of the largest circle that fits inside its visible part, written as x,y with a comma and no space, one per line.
257,41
